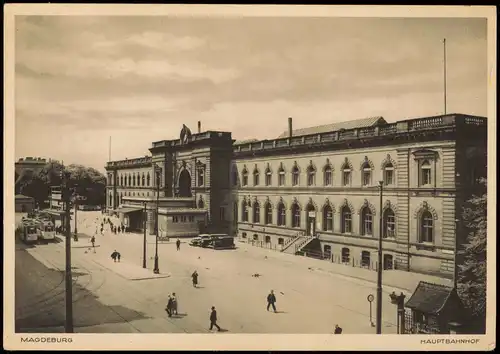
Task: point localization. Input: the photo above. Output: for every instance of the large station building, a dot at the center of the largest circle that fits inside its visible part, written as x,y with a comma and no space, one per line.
316,187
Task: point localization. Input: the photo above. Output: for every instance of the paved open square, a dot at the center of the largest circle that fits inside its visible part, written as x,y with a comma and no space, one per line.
311,296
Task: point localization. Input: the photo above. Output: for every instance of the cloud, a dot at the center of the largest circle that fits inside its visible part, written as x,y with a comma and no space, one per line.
147,75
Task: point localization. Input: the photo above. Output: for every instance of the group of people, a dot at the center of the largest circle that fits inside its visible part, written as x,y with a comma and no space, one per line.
116,256
113,228
172,305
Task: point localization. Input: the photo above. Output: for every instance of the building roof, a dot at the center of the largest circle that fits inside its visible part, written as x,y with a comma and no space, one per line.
429,298
20,196
239,142
351,124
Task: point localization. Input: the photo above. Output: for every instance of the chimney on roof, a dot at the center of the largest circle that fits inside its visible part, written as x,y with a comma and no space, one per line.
199,127
290,127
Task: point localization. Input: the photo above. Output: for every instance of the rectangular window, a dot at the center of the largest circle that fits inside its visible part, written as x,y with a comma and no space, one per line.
175,219
368,224
426,176
245,180
281,179
391,226
222,215
388,177
366,178
329,221
346,177
328,178
201,177
191,218
268,179
183,218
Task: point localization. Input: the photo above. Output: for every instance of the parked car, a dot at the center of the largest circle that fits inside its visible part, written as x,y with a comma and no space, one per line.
222,242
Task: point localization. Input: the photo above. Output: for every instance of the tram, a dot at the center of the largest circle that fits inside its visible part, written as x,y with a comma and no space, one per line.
29,231
47,231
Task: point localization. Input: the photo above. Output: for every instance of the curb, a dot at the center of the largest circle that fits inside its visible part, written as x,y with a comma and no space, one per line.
160,276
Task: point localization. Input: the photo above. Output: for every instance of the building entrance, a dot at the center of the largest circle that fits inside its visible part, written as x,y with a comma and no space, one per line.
310,220
185,184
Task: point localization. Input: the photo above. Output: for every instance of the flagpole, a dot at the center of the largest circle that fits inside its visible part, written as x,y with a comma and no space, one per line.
444,50
109,152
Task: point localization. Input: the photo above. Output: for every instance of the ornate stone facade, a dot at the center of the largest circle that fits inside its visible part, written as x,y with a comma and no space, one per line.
326,184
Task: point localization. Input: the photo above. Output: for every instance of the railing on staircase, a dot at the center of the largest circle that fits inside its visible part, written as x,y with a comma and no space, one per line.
303,243
291,241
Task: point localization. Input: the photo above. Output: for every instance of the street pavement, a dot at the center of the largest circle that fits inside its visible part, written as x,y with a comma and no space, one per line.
311,296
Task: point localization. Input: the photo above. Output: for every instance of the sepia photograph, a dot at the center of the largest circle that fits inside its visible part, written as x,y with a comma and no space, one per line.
216,171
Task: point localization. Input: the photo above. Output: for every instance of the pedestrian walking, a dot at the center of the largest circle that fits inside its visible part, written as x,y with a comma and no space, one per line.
169,306
178,243
119,256
174,304
195,278
213,319
114,255
93,242
271,299
119,228
338,330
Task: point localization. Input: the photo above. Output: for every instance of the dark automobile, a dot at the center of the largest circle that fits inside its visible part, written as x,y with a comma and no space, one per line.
219,242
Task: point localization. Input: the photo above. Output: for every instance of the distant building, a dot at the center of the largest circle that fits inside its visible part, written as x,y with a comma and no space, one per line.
317,189
24,204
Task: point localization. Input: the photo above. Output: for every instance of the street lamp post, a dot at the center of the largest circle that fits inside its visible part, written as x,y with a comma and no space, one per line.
68,277
380,265
144,245
156,269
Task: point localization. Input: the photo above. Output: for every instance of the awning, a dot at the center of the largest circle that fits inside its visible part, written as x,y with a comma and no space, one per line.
126,210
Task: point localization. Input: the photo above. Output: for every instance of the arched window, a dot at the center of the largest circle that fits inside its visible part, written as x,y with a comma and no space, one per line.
346,175
281,177
124,180
269,214
426,228
366,174
327,218
346,220
389,223
388,174
295,215
311,176
110,200
244,235
425,173
327,176
281,214
133,179
295,176
148,180
200,171
143,180
235,178
345,255
256,176
244,179
256,212
244,211
129,180
269,176
255,237
366,222
235,212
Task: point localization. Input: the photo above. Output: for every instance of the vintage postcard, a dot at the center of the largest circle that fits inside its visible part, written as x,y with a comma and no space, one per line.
249,177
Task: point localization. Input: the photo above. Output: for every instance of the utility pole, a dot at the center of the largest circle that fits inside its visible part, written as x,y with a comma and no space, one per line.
380,265
158,170
68,277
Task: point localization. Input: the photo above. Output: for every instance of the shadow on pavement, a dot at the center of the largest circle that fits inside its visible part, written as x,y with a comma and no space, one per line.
224,330
179,315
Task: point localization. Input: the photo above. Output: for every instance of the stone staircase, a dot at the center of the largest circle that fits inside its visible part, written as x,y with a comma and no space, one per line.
296,243
303,243
288,243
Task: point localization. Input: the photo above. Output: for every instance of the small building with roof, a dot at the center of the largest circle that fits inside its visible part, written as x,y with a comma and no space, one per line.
24,204
434,309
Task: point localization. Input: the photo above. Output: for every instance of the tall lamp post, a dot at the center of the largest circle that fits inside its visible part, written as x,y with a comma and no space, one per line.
156,269
68,277
380,265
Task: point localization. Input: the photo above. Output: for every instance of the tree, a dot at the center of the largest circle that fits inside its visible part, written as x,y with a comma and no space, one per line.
472,271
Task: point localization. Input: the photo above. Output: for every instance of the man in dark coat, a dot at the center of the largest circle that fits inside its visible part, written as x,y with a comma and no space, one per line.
178,243
338,330
213,319
169,306
271,299
195,278
114,255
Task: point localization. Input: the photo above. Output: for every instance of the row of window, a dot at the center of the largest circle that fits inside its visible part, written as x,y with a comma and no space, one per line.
425,175
426,222
327,251
132,180
183,218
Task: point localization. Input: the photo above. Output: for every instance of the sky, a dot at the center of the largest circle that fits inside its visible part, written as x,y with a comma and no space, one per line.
80,80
